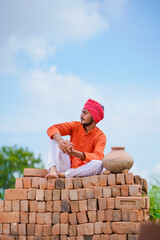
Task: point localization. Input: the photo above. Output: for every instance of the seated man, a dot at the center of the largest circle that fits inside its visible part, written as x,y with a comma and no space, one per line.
82,155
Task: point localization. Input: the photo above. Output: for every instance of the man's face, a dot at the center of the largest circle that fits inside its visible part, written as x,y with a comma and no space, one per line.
86,118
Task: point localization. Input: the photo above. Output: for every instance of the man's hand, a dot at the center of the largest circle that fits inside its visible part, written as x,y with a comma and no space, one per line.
65,145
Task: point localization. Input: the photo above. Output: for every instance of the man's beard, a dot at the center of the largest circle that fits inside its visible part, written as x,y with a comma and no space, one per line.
89,123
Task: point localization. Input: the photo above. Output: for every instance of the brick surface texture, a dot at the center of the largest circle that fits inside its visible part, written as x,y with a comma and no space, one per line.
100,207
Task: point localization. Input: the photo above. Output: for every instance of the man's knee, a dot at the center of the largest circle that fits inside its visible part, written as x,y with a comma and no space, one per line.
97,163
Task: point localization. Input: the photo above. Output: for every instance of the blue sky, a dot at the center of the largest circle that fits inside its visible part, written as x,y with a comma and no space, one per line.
57,54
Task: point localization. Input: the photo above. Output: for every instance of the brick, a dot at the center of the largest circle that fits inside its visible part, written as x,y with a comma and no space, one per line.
136,215
82,217
105,237
1,225
86,182
24,206
16,194
41,207
63,237
95,181
133,237
89,237
23,217
117,215
56,194
23,238
73,218
48,195
135,190
146,215
30,229
101,216
8,206
40,194
57,206
107,192
120,179
143,202
125,227
4,237
89,229
111,179
72,230
79,238
81,194
49,206
22,229
129,178
83,205
106,228
73,194
109,215
102,180
77,183
56,217
92,204
43,183
27,182
65,194
31,194
116,191
128,202
33,206
118,237
34,172
74,206
60,183
6,229
96,237
97,228
14,228
125,215
38,230
68,183
92,216
147,202
124,190
40,218
102,203
71,238
64,217
2,206
65,205
19,183
64,229
56,238
89,193
32,217
51,184
80,230
9,217
110,203
36,182
46,230
98,192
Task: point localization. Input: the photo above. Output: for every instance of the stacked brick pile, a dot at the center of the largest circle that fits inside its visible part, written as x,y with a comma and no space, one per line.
104,207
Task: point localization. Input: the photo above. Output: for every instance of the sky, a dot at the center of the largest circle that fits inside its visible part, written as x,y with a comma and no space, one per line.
55,55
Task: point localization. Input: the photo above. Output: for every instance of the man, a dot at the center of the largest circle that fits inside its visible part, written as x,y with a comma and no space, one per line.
81,155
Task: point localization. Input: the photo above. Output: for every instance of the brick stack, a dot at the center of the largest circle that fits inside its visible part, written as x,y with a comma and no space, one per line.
104,207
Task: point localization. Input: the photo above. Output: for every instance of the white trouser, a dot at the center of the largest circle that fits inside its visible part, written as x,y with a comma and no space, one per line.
57,158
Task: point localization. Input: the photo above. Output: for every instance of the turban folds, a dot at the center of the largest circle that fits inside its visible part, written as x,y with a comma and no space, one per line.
95,109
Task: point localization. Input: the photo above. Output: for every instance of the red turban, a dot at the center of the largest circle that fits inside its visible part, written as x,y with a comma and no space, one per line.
95,109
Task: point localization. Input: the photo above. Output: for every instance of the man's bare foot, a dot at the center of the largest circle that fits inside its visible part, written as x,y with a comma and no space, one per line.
53,173
61,175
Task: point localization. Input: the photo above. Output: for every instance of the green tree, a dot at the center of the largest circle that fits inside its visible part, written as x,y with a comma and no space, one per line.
12,162
154,195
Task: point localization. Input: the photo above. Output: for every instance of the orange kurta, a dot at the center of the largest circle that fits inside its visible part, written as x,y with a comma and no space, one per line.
91,143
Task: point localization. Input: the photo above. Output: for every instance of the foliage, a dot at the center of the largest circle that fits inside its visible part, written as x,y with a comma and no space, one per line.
12,162
154,194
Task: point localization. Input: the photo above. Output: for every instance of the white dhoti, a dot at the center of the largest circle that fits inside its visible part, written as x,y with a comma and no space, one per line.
56,157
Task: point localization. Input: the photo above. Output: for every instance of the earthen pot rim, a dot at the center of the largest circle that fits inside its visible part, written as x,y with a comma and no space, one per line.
117,148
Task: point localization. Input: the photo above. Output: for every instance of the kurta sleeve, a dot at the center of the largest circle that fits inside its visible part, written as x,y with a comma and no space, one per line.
98,152
63,129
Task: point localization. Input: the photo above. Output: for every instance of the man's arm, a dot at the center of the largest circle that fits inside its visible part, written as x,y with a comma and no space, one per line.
64,145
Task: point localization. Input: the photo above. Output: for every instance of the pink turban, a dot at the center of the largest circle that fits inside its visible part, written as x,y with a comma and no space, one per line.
95,109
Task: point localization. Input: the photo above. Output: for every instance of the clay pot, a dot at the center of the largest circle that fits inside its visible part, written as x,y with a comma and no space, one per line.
117,160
